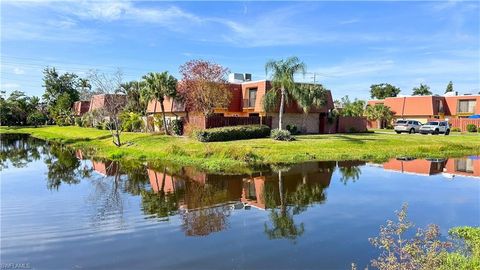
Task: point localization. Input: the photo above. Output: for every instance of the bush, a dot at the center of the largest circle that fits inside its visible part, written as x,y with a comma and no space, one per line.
176,126
232,133
131,122
99,125
471,128
78,122
455,129
293,129
36,118
281,135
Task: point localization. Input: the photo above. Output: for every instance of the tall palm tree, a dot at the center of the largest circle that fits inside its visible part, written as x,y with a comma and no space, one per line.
309,96
282,78
158,86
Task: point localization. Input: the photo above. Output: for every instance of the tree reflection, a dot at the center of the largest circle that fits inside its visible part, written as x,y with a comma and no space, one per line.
63,166
19,150
160,203
349,172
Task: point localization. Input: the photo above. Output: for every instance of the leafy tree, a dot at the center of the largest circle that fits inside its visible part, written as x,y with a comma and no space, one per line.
36,118
383,90
380,113
422,90
133,91
283,83
17,107
351,108
159,86
309,96
204,86
58,85
449,87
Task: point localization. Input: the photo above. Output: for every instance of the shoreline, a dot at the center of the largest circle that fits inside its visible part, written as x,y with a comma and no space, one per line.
243,156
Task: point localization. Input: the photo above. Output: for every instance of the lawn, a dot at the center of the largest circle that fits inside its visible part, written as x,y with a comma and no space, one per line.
237,156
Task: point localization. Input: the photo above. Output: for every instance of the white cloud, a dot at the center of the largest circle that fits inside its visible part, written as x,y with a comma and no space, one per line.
18,71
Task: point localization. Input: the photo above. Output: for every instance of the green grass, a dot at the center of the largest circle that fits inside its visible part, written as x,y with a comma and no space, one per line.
238,156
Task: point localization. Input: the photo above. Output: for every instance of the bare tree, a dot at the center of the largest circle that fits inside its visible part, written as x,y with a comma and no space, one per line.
113,102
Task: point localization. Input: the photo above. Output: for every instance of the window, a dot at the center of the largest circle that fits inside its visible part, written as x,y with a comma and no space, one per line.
410,122
464,165
440,106
466,106
252,97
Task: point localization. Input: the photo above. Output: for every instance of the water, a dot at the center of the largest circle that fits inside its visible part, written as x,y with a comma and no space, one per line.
59,211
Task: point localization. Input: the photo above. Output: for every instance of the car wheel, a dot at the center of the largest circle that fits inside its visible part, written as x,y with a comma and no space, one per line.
435,132
447,132
412,131
398,132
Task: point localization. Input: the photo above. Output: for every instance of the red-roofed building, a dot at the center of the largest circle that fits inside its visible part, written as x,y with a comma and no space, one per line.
246,107
423,108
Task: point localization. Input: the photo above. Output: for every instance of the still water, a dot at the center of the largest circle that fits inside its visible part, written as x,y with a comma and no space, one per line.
60,210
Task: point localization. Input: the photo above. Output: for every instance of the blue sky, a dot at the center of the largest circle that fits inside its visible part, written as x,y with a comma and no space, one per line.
350,45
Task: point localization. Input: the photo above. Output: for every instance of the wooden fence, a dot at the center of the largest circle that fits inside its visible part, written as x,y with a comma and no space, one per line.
462,123
215,121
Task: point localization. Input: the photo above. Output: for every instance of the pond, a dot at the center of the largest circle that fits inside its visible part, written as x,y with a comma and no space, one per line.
60,210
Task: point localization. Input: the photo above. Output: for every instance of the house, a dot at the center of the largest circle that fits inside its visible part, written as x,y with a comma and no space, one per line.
423,108
80,107
107,101
246,108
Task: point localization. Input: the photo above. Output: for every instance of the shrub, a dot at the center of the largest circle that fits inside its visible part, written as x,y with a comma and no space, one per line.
78,122
99,125
293,129
176,126
455,129
131,121
471,128
232,133
36,118
281,135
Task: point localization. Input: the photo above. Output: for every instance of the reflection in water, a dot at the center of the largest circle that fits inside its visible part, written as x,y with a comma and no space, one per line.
204,202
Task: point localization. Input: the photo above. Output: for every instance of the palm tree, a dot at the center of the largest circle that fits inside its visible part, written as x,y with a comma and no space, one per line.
84,85
309,96
158,86
380,113
422,90
282,73
134,101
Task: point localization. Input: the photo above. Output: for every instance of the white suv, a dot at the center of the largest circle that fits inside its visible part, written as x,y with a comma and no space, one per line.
435,128
410,126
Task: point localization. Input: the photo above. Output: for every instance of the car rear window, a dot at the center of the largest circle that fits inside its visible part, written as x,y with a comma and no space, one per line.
432,123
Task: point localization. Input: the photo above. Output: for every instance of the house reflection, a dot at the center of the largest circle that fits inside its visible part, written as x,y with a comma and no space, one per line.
106,167
205,201
469,166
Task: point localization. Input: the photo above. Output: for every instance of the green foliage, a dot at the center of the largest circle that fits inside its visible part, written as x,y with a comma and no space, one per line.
87,120
135,102
281,135
383,90
292,129
471,128
449,87
158,86
232,133
176,126
309,96
422,90
282,80
60,91
131,122
455,129
424,251
15,109
36,118
379,112
354,108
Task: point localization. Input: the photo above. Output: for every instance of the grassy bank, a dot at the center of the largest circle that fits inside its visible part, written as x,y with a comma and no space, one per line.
236,156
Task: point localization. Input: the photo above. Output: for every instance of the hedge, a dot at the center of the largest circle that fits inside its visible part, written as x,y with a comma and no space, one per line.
233,133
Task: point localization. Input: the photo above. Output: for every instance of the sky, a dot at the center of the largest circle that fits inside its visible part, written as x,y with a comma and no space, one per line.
347,46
